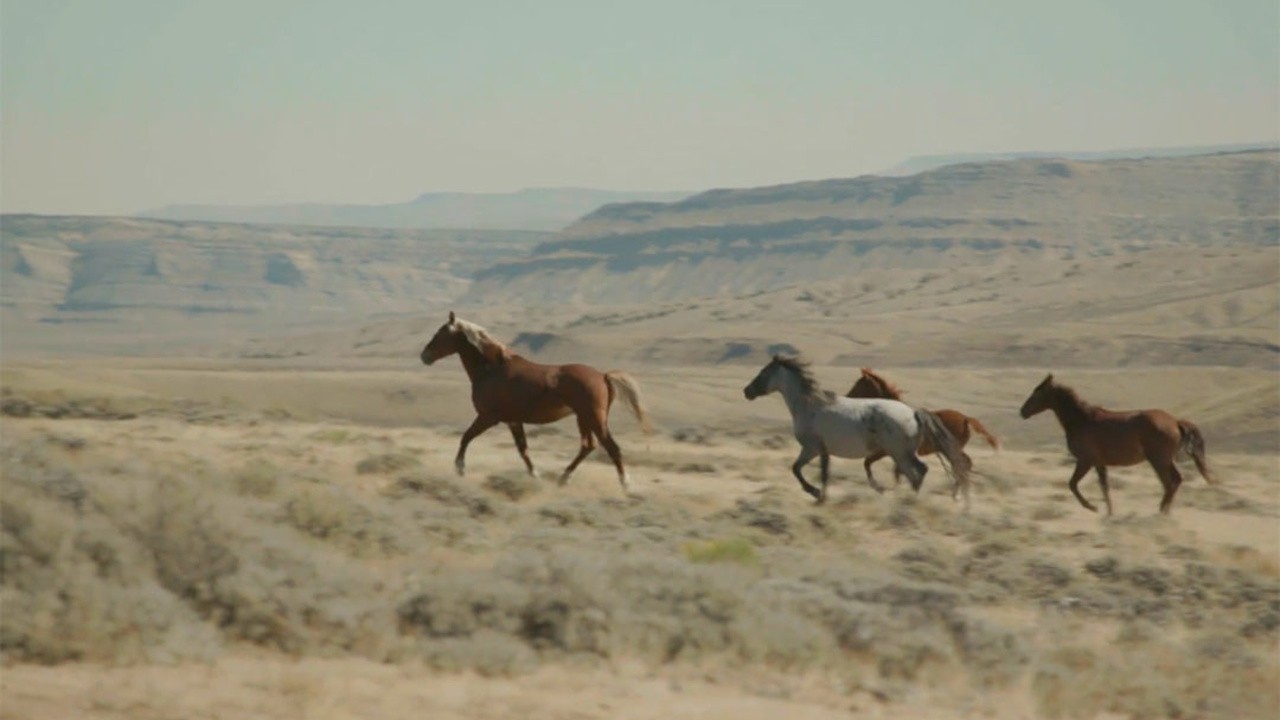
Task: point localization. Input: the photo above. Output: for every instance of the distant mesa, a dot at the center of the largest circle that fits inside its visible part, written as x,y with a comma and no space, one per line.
534,341
281,270
734,351
530,209
922,163
729,242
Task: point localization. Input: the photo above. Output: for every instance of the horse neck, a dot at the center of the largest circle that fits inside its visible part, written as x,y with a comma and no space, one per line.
472,360
883,391
1070,410
798,402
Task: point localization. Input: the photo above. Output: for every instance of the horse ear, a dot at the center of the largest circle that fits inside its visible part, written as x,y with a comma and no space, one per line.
452,318
1047,379
866,372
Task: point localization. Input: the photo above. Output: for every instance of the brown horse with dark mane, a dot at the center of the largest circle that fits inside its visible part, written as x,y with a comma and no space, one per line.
507,388
874,385
1099,438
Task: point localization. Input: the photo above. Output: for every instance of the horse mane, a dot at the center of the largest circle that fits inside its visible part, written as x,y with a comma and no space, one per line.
808,383
888,389
479,338
1071,396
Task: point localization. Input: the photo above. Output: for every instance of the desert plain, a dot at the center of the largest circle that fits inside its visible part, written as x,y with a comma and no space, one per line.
270,526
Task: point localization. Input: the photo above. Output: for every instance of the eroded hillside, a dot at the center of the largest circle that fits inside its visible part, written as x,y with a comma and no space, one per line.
75,281
732,241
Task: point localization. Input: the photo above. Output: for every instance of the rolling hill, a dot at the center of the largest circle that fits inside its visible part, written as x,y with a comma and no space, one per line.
529,209
97,284
726,242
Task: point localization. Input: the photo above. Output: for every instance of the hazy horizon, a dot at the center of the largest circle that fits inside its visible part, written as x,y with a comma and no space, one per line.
113,108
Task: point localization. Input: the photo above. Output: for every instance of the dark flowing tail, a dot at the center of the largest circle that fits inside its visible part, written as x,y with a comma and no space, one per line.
625,386
954,461
978,427
1193,445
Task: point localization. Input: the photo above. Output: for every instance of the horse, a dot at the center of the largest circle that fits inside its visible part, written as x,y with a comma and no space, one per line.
507,388
827,425
872,385
1098,438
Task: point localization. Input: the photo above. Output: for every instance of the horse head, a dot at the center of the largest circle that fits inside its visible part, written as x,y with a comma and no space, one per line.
763,383
871,385
444,343
458,335
1040,399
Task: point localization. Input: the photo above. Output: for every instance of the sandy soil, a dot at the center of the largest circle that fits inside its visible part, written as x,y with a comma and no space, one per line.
277,530
1026,563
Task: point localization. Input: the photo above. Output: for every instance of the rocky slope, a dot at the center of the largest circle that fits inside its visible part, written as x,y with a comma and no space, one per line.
724,242
136,281
529,209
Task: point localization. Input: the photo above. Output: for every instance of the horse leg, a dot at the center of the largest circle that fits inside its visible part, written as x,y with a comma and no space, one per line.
955,485
1082,468
914,468
1106,489
615,454
588,444
806,455
871,479
824,462
1171,478
522,445
478,426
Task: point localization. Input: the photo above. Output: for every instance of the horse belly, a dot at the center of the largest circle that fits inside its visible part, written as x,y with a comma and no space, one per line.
543,413
519,402
842,437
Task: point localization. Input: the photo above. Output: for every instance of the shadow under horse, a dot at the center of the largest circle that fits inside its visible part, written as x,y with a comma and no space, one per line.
507,388
1098,438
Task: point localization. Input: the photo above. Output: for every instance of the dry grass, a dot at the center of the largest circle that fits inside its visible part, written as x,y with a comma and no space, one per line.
173,541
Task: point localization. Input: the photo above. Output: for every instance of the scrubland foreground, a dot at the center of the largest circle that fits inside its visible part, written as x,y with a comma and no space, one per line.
174,558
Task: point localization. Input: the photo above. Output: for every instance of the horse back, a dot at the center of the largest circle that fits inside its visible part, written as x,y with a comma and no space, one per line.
1127,437
525,391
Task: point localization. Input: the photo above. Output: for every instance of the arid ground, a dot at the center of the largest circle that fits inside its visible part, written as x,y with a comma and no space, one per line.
282,534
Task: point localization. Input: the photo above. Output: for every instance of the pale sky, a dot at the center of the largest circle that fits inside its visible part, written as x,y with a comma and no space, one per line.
115,106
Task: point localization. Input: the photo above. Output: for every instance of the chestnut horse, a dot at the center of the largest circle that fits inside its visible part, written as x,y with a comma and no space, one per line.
1098,438
827,425
873,385
507,388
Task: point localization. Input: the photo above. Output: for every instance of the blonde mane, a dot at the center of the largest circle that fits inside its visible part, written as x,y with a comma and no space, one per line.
479,338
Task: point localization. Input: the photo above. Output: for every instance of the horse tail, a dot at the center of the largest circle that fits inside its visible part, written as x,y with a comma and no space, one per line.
625,386
992,440
1192,444
954,461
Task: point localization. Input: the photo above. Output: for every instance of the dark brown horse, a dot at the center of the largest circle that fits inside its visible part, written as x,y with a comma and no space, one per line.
873,385
1099,438
507,388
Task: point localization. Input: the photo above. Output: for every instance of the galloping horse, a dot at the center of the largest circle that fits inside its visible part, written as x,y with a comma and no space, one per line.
873,385
507,388
827,425
1098,438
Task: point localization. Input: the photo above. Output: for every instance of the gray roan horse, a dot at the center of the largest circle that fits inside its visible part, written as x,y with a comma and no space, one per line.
827,425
